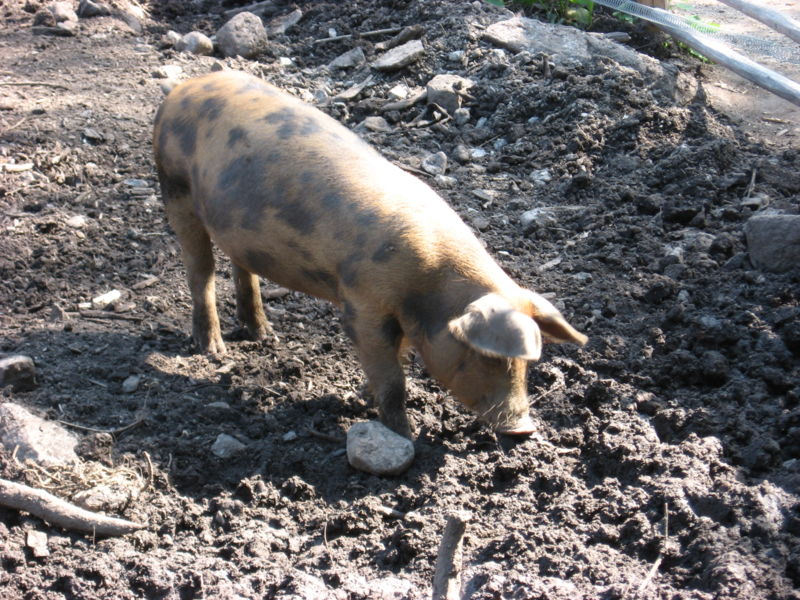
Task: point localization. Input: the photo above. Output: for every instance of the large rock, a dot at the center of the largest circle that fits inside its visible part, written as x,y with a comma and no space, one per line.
447,91
195,43
17,371
33,438
376,449
244,35
399,57
570,47
773,241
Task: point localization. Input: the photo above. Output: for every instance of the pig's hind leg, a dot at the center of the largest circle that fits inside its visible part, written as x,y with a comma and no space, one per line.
378,340
249,308
199,262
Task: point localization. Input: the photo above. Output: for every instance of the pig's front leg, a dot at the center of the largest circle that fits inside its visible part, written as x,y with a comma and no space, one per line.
378,338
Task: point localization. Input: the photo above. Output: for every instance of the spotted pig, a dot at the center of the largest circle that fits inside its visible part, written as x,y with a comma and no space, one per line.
290,194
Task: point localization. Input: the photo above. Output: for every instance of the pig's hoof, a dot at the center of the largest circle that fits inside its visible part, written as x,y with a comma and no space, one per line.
211,345
524,427
259,333
401,427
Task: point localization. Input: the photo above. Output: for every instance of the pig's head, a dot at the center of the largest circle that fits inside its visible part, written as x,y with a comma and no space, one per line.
483,354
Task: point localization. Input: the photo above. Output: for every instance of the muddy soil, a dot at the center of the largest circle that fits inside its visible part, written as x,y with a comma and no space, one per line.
666,463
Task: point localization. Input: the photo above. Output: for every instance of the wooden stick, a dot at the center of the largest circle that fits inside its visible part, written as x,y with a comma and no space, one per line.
43,83
61,513
739,64
256,7
104,314
347,36
771,18
447,577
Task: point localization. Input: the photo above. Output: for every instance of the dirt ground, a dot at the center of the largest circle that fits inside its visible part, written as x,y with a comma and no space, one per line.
667,461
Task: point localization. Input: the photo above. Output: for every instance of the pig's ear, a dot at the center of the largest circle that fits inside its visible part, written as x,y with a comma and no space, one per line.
552,323
491,326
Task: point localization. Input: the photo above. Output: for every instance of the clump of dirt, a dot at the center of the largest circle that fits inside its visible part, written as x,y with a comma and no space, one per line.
667,459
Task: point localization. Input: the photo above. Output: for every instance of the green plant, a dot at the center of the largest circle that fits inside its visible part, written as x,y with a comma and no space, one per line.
576,12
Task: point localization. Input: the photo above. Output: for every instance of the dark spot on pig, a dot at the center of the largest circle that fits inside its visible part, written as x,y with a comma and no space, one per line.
295,247
236,134
348,269
392,332
210,87
310,127
186,102
258,261
171,188
383,253
320,276
306,177
332,201
252,184
363,217
186,133
287,130
211,108
348,316
284,115
298,216
256,85
425,310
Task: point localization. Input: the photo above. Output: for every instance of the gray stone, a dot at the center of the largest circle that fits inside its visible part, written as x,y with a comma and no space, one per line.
87,9
538,217
447,91
374,448
76,222
195,43
461,153
480,223
44,18
351,58
461,116
131,384
107,498
435,164
33,438
282,24
445,181
226,446
570,47
17,371
62,11
773,241
162,72
169,39
399,57
375,124
37,542
244,35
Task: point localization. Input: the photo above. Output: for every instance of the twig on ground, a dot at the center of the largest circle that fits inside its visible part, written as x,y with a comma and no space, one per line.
347,36
447,577
654,569
150,473
104,314
31,83
324,436
114,432
61,513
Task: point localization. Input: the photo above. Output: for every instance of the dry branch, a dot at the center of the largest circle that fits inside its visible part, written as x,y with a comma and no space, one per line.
32,83
447,577
61,513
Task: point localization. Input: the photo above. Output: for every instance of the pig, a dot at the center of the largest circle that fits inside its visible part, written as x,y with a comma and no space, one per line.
290,194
